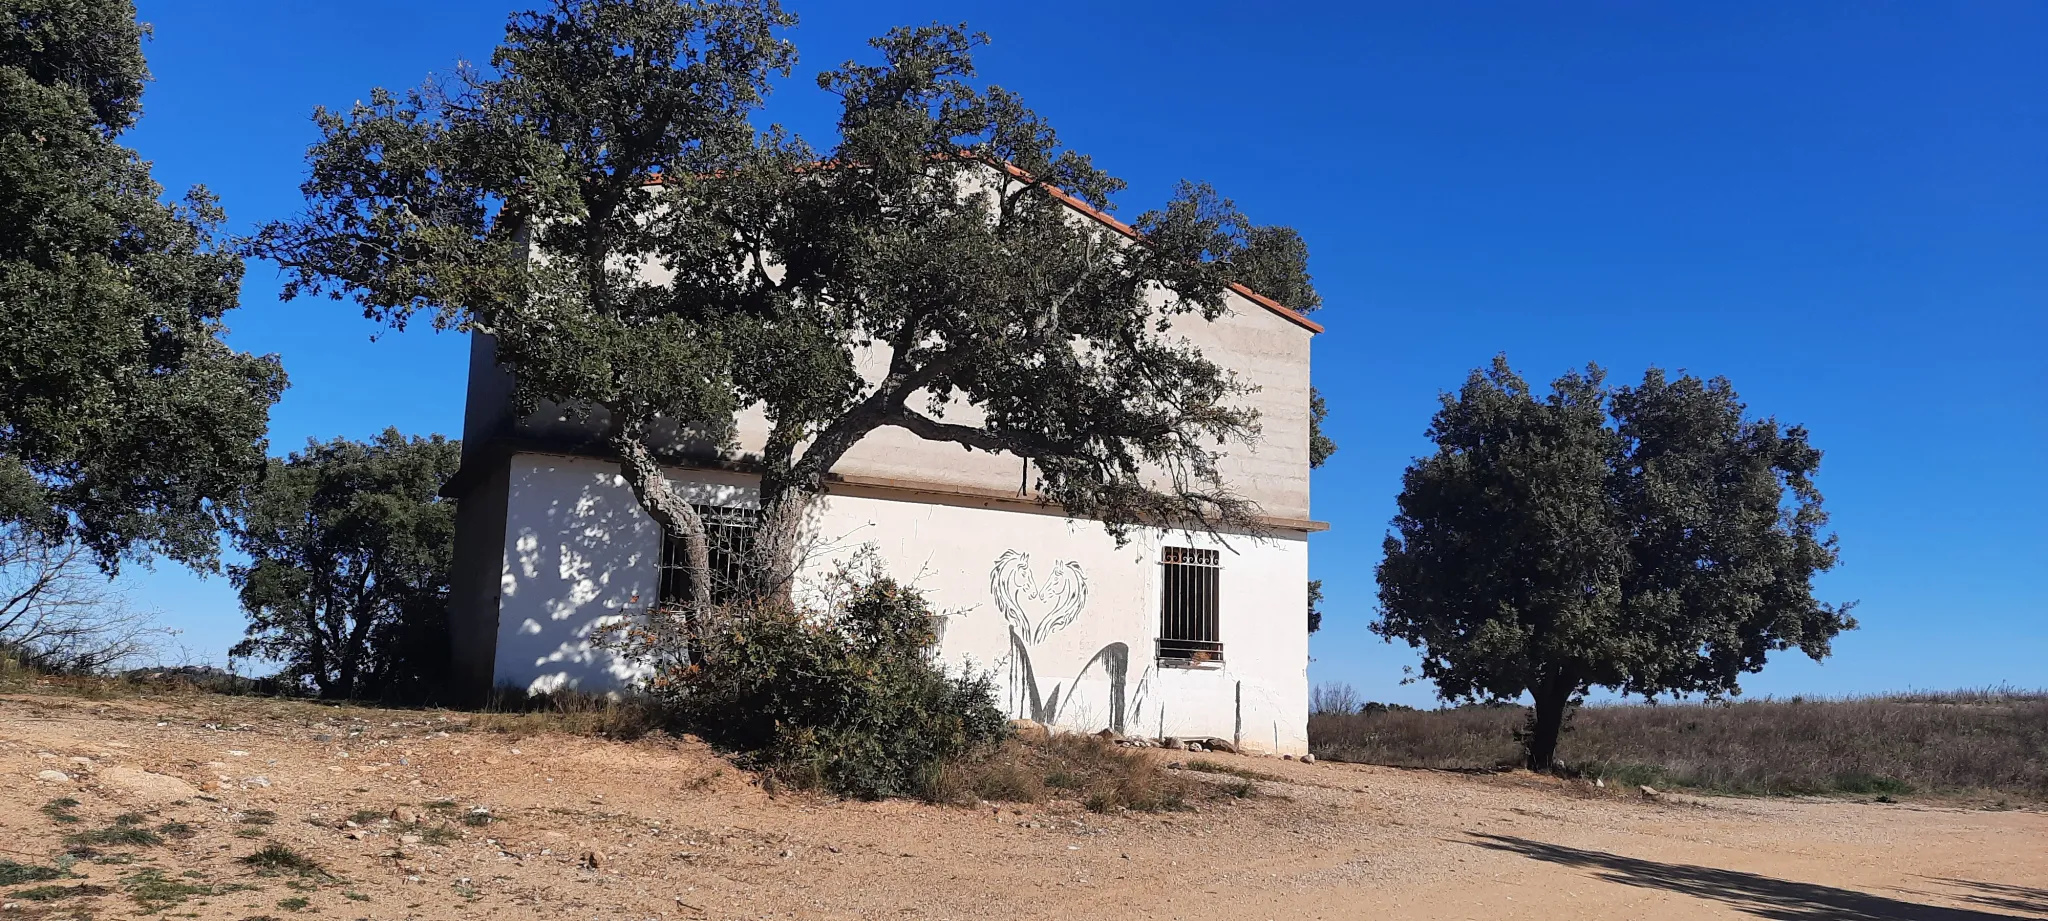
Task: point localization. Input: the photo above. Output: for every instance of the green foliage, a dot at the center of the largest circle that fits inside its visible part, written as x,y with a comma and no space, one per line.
125,422
517,203
845,698
1274,262
932,240
177,831
92,48
59,811
14,874
1320,447
1648,539
439,834
984,298
116,834
53,893
153,891
277,858
350,546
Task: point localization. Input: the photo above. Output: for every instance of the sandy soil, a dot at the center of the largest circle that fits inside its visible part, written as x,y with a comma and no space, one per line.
590,829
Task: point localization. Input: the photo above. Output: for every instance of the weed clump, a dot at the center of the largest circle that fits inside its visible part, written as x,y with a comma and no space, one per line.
53,893
59,811
434,835
177,831
14,874
276,858
115,835
154,891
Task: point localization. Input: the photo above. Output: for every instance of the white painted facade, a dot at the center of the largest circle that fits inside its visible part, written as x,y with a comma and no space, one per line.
550,543
578,549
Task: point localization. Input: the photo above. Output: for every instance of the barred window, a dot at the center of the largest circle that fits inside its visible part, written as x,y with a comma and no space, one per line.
1190,610
729,536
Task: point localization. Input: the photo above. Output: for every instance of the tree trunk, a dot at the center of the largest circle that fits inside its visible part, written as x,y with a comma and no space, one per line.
678,519
778,550
1552,699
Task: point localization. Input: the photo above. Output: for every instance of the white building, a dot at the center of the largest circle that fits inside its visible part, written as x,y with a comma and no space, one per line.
1171,634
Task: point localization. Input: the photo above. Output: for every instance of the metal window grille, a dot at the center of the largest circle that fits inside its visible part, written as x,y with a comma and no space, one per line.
729,536
1190,608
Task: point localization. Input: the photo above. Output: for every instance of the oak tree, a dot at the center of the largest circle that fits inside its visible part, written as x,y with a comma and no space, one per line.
599,203
1653,540
940,243
125,422
527,202
349,546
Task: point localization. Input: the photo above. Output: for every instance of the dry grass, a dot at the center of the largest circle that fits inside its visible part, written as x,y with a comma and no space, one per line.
1992,741
1217,767
1102,776
607,716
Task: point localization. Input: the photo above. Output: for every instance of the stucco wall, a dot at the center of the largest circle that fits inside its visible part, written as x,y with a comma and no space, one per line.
579,549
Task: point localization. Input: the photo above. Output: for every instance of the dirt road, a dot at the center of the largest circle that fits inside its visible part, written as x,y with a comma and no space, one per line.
572,827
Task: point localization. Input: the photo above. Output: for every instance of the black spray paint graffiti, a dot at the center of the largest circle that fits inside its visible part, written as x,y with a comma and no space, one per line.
1036,610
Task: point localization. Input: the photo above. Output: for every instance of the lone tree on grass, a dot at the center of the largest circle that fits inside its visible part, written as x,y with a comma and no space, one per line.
600,205
125,422
1650,539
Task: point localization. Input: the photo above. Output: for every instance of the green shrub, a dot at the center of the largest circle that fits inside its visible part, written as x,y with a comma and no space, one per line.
844,698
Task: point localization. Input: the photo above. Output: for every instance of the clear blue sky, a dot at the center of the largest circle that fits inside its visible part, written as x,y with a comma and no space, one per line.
1843,207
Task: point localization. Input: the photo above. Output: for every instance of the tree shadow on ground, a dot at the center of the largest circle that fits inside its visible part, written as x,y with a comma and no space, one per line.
1762,896
2000,895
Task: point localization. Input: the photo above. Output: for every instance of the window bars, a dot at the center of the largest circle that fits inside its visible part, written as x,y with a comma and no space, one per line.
1190,608
729,536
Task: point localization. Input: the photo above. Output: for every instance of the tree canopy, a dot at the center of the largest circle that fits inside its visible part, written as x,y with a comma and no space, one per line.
599,203
125,421
349,547
1650,539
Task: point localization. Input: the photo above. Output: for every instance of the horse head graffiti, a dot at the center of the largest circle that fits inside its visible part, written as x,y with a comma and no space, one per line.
1035,609
1057,600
